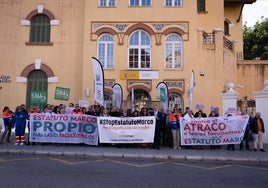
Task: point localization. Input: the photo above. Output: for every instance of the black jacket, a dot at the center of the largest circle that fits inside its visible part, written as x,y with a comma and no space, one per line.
254,125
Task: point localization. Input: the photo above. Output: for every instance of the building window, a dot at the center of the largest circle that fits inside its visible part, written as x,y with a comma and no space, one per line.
139,50
108,101
140,3
173,51
226,28
201,5
175,100
107,3
106,51
40,29
173,3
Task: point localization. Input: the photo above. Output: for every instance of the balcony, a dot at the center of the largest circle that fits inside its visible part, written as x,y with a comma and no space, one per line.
228,44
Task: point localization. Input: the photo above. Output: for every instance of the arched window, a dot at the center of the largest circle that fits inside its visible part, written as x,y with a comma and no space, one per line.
40,29
175,100
142,99
106,51
139,50
108,101
173,51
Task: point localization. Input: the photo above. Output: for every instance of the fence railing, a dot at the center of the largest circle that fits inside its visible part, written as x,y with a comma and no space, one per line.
227,43
208,38
251,56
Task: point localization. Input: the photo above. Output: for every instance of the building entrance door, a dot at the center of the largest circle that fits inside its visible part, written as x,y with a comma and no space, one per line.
142,99
36,90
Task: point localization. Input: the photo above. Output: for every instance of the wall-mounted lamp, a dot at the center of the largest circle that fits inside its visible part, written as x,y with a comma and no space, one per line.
202,73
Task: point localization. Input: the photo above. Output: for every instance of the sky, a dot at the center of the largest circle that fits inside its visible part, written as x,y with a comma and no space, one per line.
253,12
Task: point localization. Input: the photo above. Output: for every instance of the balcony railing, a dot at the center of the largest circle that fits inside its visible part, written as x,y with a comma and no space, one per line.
227,43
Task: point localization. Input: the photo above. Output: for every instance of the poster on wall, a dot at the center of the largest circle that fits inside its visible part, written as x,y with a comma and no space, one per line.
62,93
38,97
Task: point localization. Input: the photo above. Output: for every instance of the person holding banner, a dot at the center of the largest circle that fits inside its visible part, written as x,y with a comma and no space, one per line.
158,119
247,132
174,123
257,128
144,112
213,113
188,115
230,146
115,112
77,110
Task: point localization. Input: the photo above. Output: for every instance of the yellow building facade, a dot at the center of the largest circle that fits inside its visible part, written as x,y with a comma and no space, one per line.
47,46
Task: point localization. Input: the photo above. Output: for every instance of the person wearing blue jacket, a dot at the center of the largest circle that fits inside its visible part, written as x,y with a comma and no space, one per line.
20,123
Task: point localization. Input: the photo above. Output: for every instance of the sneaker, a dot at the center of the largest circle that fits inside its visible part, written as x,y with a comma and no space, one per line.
16,143
262,150
255,149
21,143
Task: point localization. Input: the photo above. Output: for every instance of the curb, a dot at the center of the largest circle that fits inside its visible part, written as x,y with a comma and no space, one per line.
138,156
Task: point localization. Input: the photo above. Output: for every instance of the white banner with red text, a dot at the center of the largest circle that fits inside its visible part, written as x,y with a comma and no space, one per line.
126,130
63,128
213,130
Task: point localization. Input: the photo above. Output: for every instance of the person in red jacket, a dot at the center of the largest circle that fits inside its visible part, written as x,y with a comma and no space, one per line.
174,123
7,117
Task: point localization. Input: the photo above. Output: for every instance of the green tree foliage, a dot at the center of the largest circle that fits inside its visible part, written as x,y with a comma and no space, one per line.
256,40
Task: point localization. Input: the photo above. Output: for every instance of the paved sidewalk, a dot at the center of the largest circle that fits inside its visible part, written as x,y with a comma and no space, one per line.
165,153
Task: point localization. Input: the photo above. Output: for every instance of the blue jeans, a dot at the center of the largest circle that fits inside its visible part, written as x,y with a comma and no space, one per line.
7,131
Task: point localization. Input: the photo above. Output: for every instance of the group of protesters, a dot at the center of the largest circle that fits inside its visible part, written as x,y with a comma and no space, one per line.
167,128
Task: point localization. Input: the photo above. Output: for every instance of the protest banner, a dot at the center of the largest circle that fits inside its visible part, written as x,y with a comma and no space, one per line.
126,130
213,130
63,128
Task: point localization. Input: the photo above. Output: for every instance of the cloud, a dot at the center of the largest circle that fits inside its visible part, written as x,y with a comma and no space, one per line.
253,12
